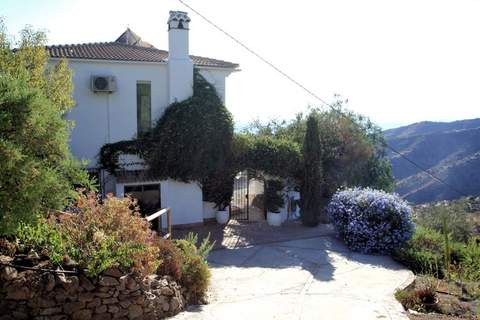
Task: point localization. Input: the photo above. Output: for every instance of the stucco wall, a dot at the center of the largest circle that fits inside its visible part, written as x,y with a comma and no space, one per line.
101,118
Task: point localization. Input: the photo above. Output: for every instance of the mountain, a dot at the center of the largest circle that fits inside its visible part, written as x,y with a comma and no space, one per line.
448,150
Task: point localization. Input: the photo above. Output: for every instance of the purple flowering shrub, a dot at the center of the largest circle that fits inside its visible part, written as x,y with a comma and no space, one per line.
371,221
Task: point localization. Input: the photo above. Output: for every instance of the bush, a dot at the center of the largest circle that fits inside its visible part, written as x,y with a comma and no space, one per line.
421,297
371,221
469,267
273,197
458,218
171,263
97,236
423,253
195,272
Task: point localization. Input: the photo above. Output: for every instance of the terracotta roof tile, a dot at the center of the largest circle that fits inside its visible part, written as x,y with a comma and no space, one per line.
125,52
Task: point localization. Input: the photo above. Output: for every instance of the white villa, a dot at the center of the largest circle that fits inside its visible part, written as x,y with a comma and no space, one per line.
121,88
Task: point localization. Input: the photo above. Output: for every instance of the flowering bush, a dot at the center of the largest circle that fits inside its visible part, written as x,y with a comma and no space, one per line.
371,221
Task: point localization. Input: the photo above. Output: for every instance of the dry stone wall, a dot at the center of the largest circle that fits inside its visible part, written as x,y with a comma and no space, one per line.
29,294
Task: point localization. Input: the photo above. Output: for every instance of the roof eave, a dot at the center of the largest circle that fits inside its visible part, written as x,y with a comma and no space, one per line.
233,68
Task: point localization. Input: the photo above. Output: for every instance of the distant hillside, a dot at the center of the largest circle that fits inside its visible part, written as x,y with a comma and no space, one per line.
450,151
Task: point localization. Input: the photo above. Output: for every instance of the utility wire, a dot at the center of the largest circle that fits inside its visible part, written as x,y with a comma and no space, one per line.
298,84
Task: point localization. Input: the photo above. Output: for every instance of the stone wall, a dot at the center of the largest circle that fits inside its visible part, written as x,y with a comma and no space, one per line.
29,294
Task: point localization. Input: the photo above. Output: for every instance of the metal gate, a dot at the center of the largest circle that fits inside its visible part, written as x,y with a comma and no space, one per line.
240,201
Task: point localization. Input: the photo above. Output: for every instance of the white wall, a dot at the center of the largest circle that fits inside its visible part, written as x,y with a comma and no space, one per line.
101,118
106,118
209,210
185,199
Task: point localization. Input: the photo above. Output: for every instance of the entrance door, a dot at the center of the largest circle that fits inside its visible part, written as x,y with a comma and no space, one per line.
148,196
240,201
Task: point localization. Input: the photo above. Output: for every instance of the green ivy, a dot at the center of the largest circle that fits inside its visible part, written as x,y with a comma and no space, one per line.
194,141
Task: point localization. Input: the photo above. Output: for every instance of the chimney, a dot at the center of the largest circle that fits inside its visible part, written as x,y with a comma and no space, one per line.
180,66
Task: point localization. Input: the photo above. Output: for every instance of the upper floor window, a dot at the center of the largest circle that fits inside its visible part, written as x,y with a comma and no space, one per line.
144,107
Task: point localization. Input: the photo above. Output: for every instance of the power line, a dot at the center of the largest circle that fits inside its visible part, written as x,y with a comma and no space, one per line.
313,94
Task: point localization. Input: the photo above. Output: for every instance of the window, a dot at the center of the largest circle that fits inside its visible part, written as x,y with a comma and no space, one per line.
144,107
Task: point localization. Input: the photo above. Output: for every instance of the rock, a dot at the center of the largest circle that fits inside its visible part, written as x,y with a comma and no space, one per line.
102,316
86,283
49,282
50,311
16,293
166,291
166,306
19,315
174,304
94,303
84,314
9,273
109,300
102,294
125,303
134,311
68,283
132,284
108,281
44,303
113,272
121,313
72,307
101,309
85,297
113,308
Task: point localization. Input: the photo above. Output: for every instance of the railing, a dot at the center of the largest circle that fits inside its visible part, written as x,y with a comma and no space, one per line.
157,215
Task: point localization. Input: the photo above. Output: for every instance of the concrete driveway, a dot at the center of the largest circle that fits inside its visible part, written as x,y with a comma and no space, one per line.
315,278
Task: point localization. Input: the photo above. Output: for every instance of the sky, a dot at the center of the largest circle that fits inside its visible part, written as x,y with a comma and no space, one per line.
396,61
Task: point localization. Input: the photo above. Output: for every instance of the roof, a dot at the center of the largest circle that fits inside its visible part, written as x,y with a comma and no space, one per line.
128,47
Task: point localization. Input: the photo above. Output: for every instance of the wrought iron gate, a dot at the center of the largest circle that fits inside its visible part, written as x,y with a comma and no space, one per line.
240,199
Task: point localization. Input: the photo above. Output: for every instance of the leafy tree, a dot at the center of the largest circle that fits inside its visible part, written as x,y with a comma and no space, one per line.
38,170
312,180
353,147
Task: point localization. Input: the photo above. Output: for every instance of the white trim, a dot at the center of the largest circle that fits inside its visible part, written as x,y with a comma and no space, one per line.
139,62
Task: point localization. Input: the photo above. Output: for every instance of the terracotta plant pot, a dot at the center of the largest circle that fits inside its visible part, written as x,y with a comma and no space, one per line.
274,219
222,216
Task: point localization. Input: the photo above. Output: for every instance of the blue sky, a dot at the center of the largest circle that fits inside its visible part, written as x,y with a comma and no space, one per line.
397,62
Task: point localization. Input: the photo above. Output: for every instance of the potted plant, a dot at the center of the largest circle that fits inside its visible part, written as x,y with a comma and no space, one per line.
274,201
223,215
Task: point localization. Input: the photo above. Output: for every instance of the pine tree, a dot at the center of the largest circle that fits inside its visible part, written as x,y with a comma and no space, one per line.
311,186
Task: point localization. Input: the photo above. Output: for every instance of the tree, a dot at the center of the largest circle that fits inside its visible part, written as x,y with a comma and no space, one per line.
353,147
38,170
312,180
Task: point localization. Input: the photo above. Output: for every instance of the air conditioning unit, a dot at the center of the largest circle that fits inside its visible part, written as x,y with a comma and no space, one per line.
103,84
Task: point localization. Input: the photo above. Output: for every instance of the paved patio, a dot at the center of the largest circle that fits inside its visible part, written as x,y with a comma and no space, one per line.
240,234
315,278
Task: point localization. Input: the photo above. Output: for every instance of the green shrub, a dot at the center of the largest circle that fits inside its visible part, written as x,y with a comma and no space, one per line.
170,259
195,272
38,170
273,196
97,236
423,253
421,297
456,214
469,268
43,238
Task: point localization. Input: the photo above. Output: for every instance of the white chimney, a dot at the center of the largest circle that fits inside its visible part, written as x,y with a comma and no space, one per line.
180,66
